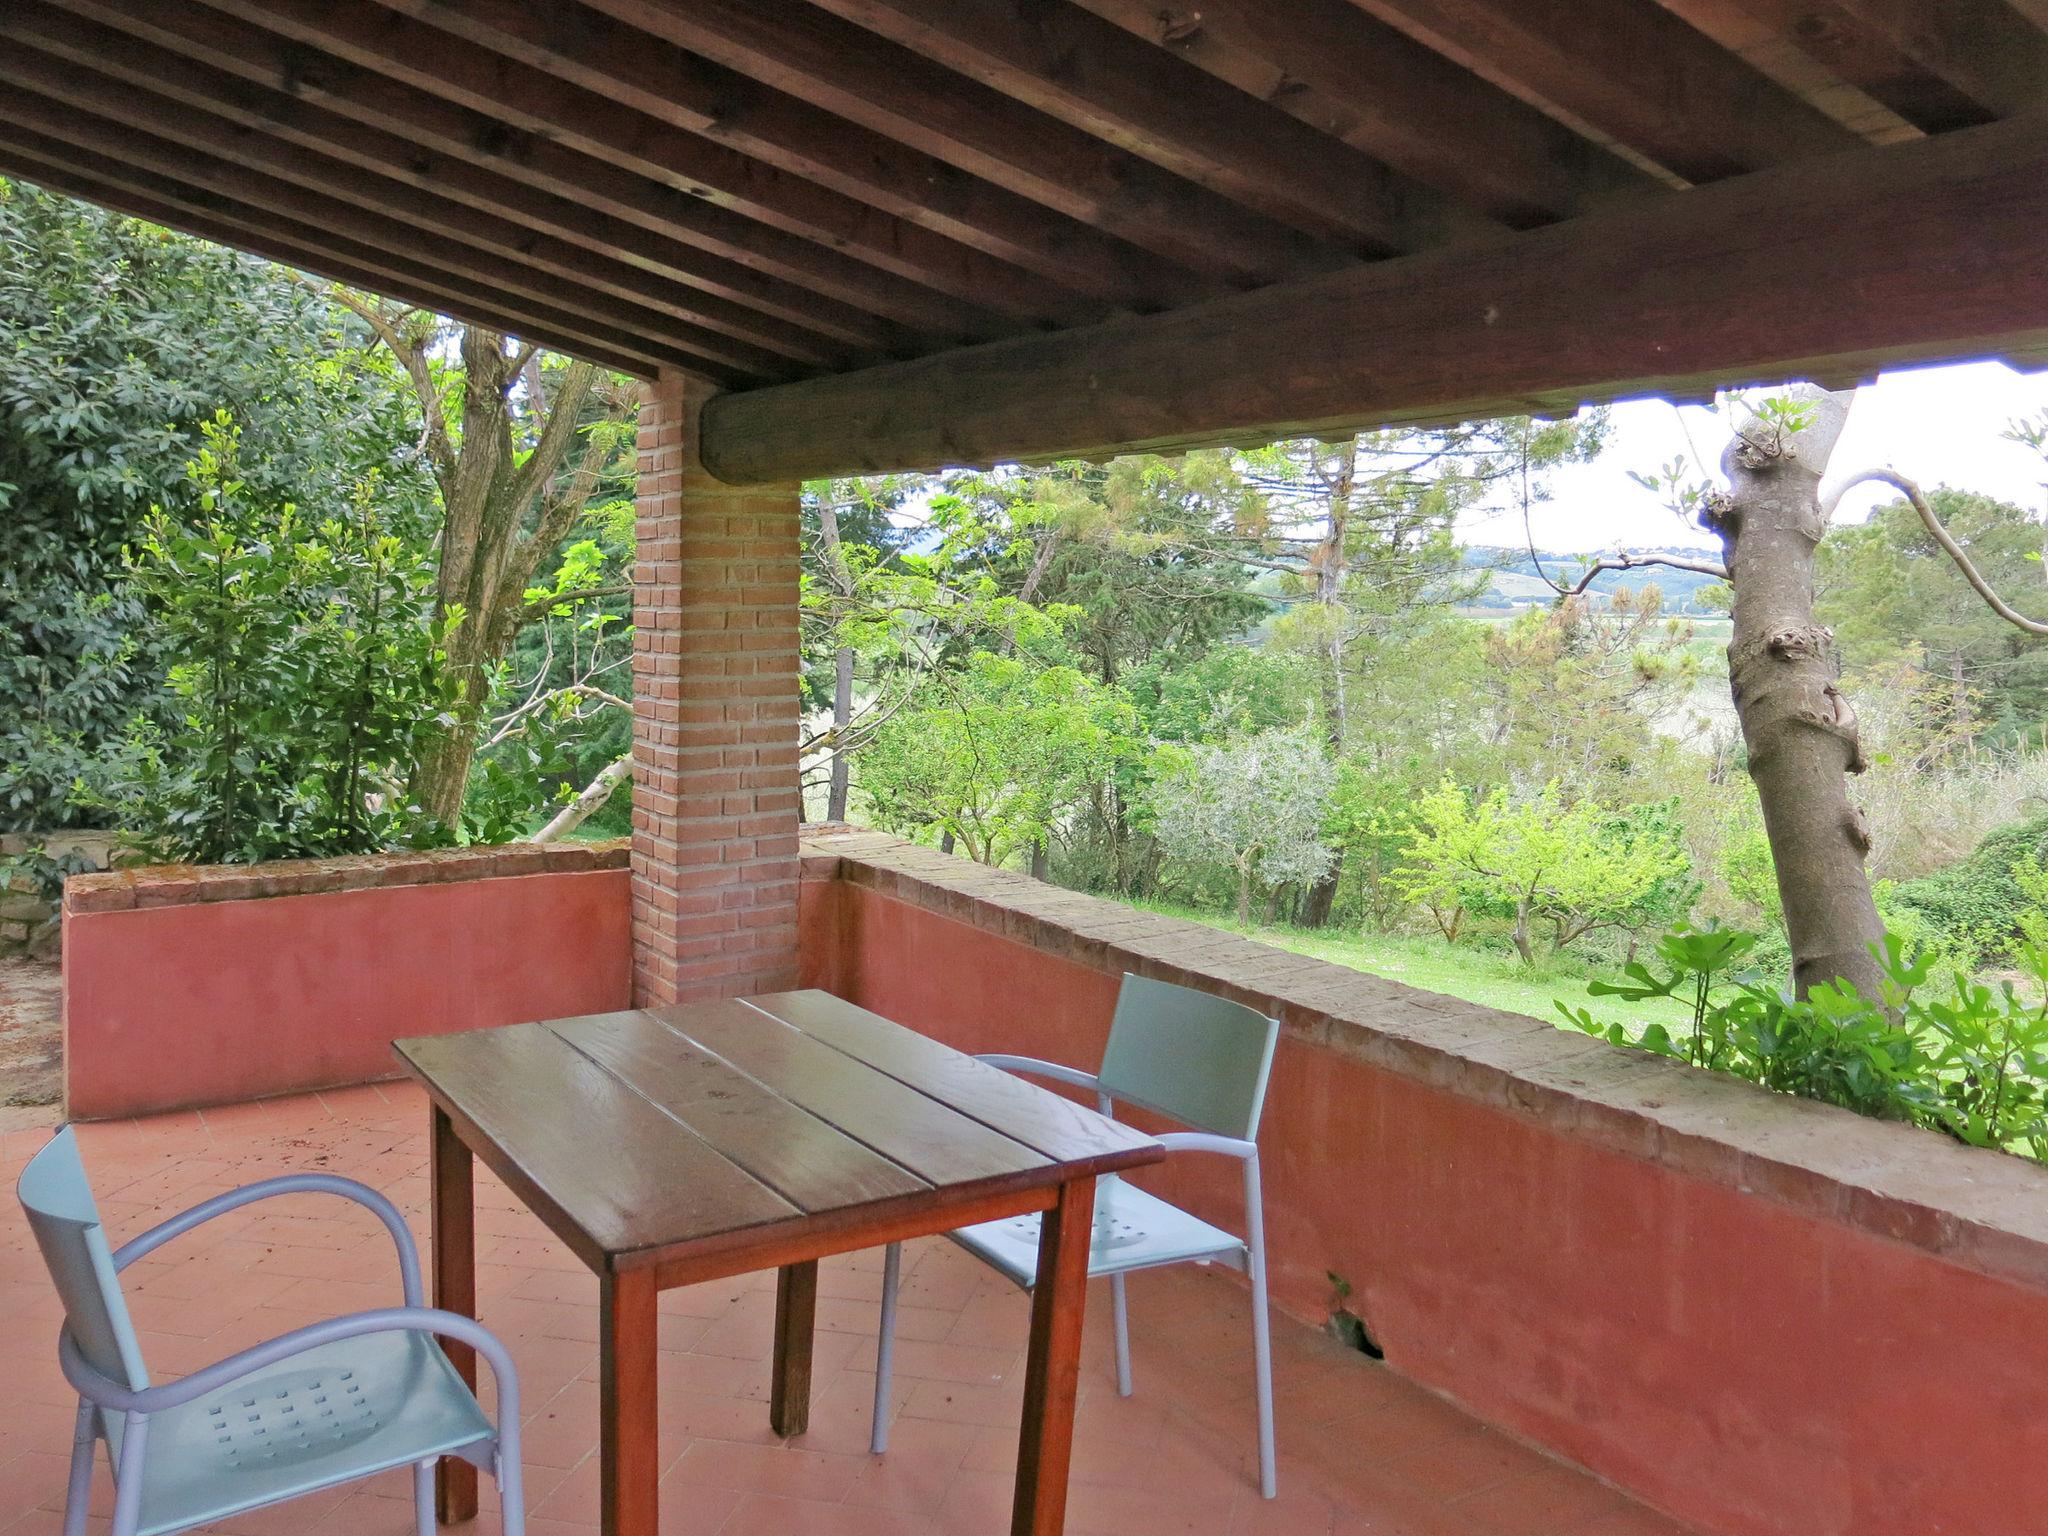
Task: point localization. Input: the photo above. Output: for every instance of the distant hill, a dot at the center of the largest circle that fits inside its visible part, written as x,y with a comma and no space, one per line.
1513,583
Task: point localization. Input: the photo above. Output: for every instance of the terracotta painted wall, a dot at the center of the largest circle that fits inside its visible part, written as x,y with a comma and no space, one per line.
1742,1364
209,1002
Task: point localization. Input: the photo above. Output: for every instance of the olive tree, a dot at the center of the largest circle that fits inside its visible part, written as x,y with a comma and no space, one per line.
1255,804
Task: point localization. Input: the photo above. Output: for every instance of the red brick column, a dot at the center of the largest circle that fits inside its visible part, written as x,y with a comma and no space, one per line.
714,720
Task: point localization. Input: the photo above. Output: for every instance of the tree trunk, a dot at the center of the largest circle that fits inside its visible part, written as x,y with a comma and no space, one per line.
1331,563
1244,896
1524,945
842,716
1800,730
1041,863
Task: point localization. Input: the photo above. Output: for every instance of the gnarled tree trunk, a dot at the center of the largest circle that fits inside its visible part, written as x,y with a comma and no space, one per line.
1798,726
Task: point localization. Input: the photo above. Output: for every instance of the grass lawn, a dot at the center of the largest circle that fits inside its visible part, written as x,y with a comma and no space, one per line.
1498,979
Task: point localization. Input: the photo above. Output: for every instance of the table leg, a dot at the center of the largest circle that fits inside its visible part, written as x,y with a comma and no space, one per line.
454,1203
796,1311
1053,1369
629,1465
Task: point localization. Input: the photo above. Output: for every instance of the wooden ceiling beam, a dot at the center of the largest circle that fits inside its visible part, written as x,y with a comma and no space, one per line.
1931,250
1066,61
119,185
1635,72
1850,50
1354,77
118,77
900,95
110,118
707,192
210,61
1984,48
618,73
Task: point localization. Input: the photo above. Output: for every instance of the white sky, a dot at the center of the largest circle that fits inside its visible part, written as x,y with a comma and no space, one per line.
1936,425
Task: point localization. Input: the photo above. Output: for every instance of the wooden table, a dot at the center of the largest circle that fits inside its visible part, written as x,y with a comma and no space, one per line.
674,1145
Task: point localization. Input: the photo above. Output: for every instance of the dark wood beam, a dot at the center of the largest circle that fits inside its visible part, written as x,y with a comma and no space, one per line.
1852,51
166,48
1355,78
1636,73
159,135
648,75
1066,61
1931,250
1984,48
902,96
118,77
516,113
118,185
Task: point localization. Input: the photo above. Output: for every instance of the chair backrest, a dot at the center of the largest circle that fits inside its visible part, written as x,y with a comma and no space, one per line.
1200,1059
54,1192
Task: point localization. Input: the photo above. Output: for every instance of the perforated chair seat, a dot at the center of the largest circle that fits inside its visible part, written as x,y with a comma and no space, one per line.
1133,1230
328,1415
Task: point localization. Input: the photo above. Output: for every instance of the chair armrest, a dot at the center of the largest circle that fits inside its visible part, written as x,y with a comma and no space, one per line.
1031,1066
289,1184
1204,1141
109,1394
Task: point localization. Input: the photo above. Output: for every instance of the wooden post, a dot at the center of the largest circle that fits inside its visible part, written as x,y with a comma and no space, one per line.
454,1259
1052,1371
796,1310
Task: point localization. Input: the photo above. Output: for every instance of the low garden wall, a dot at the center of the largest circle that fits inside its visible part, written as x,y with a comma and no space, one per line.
1767,1317
194,986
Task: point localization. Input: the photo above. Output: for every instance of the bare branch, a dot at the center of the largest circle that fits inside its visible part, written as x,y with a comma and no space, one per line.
1626,562
1941,535
435,441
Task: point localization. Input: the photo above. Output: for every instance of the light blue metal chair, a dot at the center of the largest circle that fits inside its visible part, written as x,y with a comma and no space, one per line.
1200,1060
321,1405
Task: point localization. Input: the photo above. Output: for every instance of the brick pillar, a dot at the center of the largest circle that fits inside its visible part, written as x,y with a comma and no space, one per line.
714,719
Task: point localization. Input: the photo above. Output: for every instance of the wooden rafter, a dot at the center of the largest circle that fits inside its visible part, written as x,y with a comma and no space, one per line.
1984,48
513,109
1936,248
1635,72
903,96
639,74
1423,115
116,77
1085,70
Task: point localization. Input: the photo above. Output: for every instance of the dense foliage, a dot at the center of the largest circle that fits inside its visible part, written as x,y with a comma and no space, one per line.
122,340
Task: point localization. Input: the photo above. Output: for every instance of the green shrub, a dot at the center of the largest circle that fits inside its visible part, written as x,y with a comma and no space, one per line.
1975,907
1972,1064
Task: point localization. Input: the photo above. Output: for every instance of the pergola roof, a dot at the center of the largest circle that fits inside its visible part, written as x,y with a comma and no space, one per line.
907,232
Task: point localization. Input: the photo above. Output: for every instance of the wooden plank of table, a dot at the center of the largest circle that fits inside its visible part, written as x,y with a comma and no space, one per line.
1056,1126
607,1170
809,1162
914,1131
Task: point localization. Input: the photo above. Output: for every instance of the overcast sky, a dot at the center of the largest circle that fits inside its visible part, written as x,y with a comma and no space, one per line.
1935,425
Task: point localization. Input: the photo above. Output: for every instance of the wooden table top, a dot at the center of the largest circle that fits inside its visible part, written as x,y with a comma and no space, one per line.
681,1132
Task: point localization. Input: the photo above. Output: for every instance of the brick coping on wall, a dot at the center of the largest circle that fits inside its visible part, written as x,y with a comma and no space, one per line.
170,885
1984,1210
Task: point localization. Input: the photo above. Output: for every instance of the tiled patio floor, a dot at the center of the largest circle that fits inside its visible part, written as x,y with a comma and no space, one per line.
1361,1450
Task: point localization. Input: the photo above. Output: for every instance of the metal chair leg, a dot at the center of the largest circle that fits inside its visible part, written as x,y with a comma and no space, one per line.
885,1346
78,1489
1262,1331
1120,1313
423,1496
